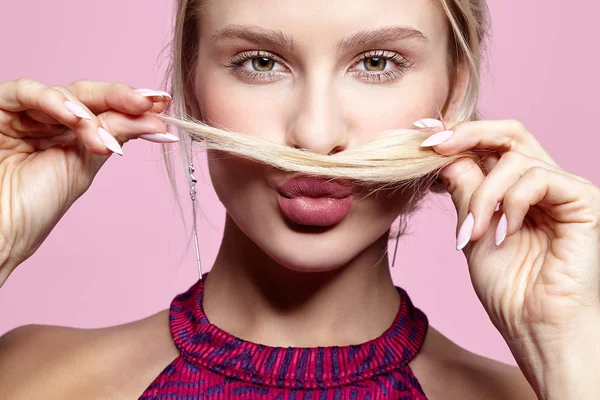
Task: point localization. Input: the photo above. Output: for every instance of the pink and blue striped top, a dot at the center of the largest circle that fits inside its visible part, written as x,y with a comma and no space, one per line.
215,365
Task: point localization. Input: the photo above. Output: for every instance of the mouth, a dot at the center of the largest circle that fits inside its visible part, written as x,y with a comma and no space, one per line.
314,201
315,187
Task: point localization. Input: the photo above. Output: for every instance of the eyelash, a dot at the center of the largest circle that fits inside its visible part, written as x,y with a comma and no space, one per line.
239,59
403,64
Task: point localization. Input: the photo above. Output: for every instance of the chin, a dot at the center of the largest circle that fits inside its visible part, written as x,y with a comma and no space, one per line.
311,261
318,249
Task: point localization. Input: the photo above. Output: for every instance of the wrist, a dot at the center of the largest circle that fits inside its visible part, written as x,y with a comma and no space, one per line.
565,366
7,263
570,375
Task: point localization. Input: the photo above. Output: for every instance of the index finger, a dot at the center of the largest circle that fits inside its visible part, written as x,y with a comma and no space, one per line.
463,177
100,97
501,136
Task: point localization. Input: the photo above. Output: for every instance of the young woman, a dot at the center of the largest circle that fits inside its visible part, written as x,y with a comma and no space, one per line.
299,303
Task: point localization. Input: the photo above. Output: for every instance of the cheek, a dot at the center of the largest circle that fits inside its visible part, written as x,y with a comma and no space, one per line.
419,95
238,182
230,175
241,187
229,104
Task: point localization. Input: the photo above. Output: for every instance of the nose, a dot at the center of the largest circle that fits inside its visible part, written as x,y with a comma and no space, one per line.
317,122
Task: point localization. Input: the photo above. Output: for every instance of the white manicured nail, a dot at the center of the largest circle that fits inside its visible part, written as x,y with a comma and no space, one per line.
77,110
437,138
165,94
501,230
154,95
465,231
110,142
428,123
159,137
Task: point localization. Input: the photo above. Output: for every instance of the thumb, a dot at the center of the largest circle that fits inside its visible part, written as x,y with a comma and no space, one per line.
462,178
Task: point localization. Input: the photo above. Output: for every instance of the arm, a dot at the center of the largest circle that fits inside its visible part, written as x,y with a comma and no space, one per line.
29,367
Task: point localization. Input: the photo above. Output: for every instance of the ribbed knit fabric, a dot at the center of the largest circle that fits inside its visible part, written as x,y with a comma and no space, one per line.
215,365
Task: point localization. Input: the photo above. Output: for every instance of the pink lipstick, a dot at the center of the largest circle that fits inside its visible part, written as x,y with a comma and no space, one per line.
315,201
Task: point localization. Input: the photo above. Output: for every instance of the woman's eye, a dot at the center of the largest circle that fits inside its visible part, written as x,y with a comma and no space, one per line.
258,66
263,64
260,63
380,66
375,64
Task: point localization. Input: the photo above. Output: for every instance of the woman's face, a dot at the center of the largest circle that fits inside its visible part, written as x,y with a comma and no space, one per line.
322,76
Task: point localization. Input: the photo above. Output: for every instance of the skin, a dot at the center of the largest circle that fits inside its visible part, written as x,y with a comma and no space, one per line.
316,99
264,285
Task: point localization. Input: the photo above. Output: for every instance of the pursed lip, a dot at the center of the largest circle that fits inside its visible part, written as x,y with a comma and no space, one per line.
315,187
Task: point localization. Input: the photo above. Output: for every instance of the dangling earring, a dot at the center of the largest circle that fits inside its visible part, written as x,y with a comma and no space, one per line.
396,247
193,181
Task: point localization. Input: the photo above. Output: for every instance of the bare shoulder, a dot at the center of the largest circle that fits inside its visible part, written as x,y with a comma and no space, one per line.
448,371
53,362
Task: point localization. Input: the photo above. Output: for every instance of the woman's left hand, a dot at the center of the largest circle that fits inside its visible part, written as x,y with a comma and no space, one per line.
534,263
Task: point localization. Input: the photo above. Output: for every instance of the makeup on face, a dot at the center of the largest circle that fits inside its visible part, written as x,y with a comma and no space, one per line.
315,202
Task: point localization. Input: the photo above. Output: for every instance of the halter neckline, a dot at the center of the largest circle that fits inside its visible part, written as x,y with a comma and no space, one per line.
205,345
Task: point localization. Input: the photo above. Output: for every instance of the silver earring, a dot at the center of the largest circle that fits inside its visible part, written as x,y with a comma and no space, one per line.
193,181
396,247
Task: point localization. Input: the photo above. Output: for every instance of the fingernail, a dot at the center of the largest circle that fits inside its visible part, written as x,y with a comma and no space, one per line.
497,207
154,95
501,229
465,231
109,141
77,110
437,138
159,137
165,94
428,123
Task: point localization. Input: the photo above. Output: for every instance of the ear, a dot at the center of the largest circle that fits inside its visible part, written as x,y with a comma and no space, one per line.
460,78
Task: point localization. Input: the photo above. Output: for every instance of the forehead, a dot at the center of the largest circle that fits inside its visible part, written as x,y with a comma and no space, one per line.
320,21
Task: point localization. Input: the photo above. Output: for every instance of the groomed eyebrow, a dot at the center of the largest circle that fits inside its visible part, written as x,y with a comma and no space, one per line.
371,38
365,38
255,34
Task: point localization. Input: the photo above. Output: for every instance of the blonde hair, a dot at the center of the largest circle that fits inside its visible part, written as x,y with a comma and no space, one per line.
392,159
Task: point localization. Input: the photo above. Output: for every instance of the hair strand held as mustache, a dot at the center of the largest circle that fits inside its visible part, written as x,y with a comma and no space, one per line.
391,159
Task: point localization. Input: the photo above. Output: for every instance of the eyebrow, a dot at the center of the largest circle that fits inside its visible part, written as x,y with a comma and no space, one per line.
369,38
255,34
277,38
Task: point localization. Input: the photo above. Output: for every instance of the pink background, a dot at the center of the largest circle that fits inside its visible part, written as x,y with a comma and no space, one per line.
120,252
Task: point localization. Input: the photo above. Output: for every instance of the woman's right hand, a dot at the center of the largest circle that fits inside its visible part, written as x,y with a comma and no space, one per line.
53,141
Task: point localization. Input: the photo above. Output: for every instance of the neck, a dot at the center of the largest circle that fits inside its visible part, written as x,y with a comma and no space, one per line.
251,296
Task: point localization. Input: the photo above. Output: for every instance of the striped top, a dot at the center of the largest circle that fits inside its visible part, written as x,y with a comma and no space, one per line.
215,365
